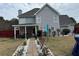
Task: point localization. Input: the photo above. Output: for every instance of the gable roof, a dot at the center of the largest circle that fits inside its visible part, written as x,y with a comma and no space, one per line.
34,11
65,20
29,13
49,7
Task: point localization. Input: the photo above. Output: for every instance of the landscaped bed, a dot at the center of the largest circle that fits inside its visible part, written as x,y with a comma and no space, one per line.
61,46
8,46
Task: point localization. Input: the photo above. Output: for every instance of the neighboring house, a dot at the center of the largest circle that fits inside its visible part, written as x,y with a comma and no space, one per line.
37,19
66,23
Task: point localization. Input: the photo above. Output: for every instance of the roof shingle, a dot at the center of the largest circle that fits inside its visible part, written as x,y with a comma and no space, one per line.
29,13
65,20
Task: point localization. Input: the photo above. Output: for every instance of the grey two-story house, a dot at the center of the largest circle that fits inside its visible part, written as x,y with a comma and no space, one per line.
37,19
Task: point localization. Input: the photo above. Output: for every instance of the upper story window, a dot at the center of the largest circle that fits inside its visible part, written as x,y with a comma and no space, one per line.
38,19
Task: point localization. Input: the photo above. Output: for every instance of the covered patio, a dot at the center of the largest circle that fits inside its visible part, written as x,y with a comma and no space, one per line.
18,27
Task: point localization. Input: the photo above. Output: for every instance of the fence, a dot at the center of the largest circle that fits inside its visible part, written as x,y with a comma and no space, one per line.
7,33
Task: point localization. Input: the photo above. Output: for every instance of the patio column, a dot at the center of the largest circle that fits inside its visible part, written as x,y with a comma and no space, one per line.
14,32
19,30
36,30
25,32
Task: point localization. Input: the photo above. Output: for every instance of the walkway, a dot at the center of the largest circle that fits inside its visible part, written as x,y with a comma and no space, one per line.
32,49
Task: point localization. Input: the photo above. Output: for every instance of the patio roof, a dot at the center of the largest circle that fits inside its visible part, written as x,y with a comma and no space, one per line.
28,24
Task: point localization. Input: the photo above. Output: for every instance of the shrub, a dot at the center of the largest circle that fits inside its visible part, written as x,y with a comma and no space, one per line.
65,31
24,43
54,33
58,31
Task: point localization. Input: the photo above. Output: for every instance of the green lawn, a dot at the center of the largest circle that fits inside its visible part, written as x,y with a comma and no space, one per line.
61,46
8,46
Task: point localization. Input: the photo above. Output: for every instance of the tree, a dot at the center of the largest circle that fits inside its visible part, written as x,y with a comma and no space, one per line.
14,21
1,18
73,20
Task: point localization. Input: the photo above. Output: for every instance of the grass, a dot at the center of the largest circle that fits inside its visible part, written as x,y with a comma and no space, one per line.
61,46
8,46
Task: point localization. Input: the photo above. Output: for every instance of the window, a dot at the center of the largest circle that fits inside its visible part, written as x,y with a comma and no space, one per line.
38,19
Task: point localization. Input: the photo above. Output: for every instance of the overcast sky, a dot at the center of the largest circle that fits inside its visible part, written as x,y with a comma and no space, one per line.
10,10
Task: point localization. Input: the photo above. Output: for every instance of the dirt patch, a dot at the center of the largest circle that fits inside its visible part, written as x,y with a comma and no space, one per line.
8,46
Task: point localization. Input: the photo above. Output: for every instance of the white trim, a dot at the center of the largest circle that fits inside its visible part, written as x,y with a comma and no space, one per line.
25,32
35,30
25,25
14,32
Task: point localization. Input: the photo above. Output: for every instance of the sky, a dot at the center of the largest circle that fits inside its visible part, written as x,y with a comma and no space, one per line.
10,10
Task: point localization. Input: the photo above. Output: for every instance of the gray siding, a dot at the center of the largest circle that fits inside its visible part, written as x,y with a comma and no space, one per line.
47,16
26,20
